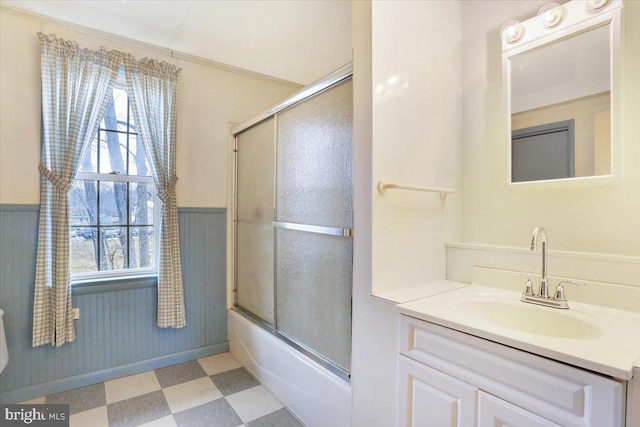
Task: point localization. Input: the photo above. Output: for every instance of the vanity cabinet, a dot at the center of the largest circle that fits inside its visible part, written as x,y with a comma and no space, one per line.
449,378
494,412
432,398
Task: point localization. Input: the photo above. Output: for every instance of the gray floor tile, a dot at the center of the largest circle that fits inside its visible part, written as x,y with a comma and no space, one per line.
138,410
213,414
80,399
233,381
178,374
280,418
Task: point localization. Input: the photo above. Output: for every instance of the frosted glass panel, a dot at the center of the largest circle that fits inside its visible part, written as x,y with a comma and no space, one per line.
314,292
256,148
254,239
315,160
298,282
254,268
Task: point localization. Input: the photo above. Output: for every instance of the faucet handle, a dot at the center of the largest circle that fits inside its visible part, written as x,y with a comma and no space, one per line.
560,296
528,285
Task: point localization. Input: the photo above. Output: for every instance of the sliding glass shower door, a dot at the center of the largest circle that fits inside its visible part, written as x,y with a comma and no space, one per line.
294,220
255,185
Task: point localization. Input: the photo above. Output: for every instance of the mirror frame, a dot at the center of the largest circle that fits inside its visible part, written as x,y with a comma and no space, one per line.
578,18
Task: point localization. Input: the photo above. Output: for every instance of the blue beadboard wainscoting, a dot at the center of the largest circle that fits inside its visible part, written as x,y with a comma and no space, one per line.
117,333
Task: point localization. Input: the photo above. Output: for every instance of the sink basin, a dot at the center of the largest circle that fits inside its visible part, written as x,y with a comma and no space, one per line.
597,338
522,317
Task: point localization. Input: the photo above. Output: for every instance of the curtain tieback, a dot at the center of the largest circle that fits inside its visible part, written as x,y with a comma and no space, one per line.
55,179
169,189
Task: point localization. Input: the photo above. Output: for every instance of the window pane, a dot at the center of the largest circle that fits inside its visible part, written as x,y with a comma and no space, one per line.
83,249
89,163
112,222
83,201
113,248
141,247
141,203
138,164
115,116
113,152
113,203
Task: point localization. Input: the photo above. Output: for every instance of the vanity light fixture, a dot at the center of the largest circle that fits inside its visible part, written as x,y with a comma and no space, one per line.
596,4
511,31
552,14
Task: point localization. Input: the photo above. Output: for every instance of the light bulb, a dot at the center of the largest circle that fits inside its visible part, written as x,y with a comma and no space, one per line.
511,31
552,14
596,4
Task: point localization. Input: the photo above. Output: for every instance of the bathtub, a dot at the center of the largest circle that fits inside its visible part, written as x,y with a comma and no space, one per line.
312,393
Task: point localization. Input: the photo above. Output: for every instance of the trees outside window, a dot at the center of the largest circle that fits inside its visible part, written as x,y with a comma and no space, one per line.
112,201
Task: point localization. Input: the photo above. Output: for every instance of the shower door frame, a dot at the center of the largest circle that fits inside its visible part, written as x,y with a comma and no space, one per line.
305,93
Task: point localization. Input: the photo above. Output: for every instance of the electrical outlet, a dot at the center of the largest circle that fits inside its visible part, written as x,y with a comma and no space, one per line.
76,313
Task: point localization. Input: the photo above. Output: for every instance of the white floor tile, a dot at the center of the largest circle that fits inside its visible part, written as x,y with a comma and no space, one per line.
167,421
131,386
192,393
253,403
36,401
96,417
219,363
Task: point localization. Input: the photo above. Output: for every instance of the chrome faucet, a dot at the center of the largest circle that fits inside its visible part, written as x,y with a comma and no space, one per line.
542,297
543,292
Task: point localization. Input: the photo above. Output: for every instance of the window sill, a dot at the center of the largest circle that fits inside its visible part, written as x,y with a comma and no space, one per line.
113,284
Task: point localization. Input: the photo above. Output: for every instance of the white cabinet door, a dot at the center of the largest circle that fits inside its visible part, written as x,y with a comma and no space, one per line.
429,398
566,395
494,412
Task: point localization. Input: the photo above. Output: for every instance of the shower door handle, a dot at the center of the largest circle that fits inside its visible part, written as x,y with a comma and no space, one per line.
319,229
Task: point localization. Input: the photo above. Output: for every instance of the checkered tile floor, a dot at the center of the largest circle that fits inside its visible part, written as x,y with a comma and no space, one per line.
213,391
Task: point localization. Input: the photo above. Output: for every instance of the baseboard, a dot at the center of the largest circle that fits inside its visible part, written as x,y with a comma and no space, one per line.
64,384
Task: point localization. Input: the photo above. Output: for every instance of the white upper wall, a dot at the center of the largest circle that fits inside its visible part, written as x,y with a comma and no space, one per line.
208,99
602,219
417,75
298,41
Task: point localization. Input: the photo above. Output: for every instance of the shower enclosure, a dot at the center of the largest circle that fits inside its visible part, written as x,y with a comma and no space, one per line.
293,219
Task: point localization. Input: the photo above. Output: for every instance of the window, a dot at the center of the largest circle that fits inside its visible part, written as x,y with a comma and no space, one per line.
113,220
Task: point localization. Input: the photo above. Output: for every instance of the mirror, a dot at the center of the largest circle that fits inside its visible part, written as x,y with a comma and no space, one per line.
561,108
560,96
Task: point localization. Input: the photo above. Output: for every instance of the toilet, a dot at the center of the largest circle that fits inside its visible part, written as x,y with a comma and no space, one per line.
4,352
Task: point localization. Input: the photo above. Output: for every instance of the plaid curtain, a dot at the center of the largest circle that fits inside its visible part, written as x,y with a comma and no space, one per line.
153,90
76,86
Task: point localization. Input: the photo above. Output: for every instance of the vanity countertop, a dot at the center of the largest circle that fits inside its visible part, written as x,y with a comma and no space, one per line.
600,339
